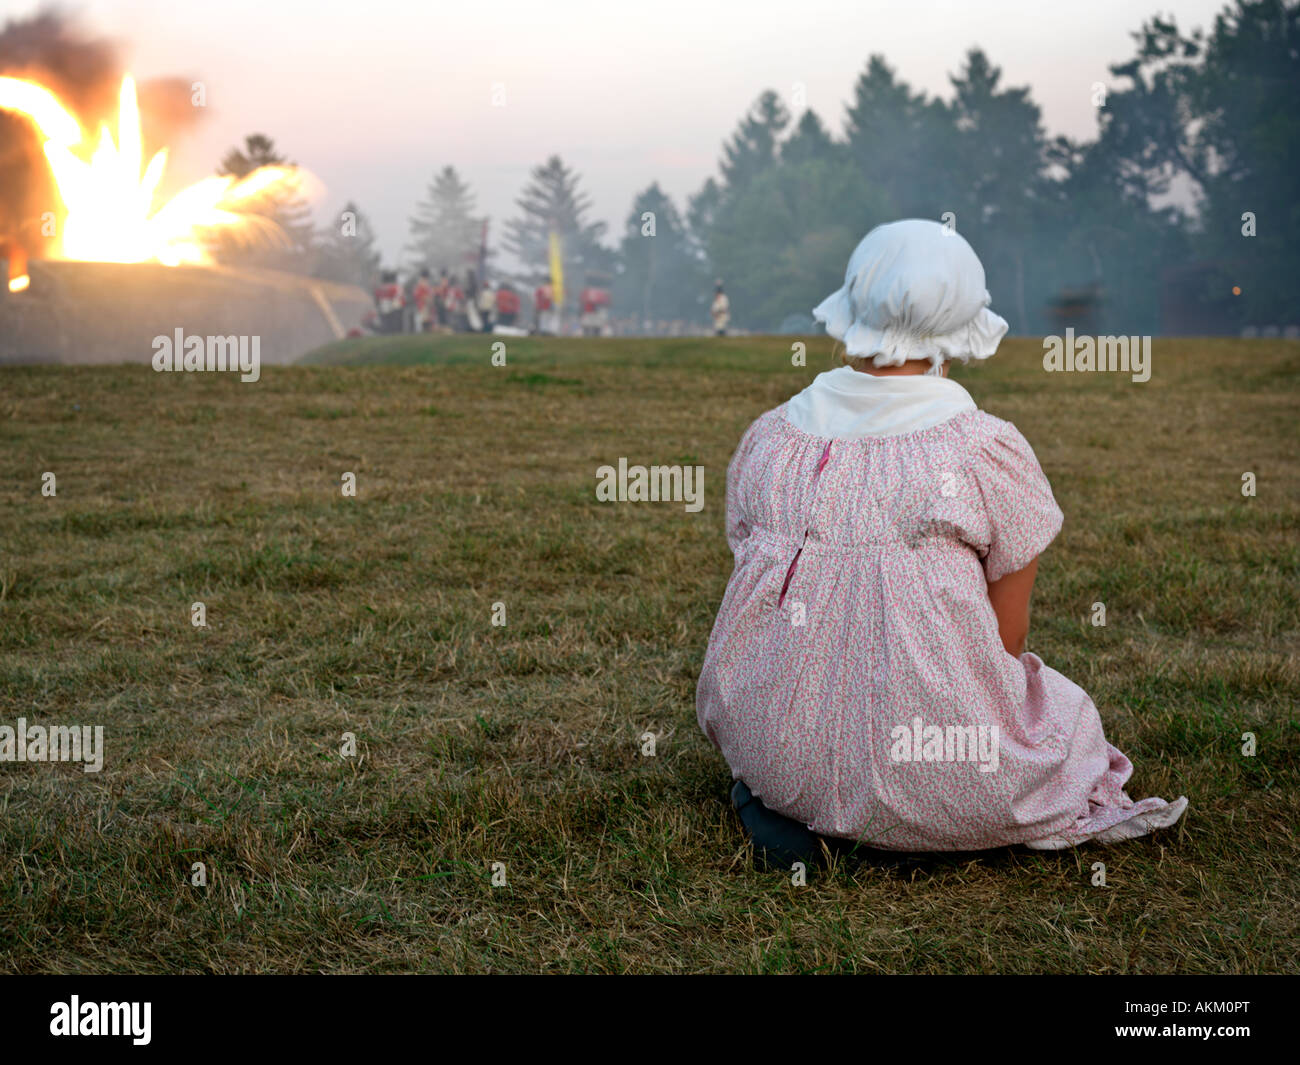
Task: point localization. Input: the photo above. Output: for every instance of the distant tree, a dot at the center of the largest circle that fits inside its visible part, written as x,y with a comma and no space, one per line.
1059,225
1000,200
905,144
1220,110
258,151
782,242
445,231
810,140
662,277
753,147
553,200
290,243
701,214
347,249
1096,229
779,226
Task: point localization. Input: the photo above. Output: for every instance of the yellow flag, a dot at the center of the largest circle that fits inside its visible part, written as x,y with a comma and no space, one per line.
557,271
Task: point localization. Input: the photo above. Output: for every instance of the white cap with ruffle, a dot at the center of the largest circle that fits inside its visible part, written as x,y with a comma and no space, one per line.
913,290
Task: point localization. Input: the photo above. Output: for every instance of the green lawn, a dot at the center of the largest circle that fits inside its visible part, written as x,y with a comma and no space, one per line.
520,743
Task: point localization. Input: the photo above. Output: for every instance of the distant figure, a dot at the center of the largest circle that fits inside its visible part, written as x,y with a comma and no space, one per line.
473,323
507,305
440,291
545,314
721,311
422,298
487,305
390,303
456,306
594,319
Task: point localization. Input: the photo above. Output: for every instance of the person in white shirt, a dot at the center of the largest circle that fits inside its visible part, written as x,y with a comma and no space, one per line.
721,311
487,305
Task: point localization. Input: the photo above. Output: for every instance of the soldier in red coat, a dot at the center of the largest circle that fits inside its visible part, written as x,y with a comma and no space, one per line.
544,315
507,305
456,317
390,302
423,298
595,312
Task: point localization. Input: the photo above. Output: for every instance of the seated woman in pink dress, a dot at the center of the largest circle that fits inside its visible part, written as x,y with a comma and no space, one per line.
867,677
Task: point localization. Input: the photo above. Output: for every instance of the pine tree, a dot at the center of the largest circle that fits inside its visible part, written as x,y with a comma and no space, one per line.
702,211
753,147
445,232
810,140
552,200
662,278
347,250
1002,198
258,151
905,144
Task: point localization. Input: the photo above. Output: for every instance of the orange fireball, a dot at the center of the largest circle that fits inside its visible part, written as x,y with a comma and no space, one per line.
108,199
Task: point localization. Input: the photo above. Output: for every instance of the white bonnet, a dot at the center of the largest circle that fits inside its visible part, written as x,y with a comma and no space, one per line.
913,290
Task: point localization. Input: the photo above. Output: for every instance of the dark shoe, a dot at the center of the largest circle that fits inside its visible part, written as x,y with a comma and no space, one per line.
779,841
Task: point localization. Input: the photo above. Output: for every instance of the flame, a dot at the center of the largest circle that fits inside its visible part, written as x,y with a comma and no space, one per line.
16,258
108,200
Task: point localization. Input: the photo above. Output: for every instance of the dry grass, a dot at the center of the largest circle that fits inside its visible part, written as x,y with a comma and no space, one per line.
520,744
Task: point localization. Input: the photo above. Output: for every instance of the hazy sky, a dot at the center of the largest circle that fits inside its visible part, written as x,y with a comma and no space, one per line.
373,97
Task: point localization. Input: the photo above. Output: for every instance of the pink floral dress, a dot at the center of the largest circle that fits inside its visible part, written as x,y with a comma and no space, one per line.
855,679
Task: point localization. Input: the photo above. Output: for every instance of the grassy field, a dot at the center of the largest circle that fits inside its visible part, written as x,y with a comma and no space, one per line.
520,743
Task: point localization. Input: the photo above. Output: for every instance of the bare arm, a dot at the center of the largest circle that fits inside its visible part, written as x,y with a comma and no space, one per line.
1010,598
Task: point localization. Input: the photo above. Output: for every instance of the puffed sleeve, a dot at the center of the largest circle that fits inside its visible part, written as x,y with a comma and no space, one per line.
738,521
1023,517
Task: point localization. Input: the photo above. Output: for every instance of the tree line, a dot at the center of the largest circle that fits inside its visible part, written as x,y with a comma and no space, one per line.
1183,209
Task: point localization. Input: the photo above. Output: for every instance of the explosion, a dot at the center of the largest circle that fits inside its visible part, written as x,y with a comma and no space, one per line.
108,199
